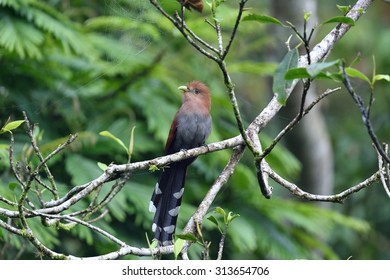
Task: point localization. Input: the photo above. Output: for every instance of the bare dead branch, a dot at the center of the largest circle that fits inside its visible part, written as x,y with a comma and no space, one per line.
337,198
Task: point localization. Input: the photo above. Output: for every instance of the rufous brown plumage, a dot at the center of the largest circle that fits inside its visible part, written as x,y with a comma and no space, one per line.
194,4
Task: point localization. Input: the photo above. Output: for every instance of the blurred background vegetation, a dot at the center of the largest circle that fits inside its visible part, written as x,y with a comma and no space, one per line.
84,66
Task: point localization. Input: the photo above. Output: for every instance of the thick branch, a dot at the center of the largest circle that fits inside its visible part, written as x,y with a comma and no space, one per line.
204,206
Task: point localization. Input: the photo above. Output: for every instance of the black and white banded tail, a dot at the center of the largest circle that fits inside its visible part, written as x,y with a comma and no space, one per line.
166,201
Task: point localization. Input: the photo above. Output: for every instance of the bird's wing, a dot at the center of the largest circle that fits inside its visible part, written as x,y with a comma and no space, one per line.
171,137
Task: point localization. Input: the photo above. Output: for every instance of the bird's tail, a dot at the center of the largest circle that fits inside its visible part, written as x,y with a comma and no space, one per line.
166,201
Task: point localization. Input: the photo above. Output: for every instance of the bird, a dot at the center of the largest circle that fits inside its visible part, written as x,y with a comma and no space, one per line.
194,4
190,128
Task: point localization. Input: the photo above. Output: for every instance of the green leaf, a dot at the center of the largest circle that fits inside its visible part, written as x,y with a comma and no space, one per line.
340,19
220,211
152,244
316,68
131,143
262,19
153,168
102,166
188,236
218,2
280,84
306,16
343,9
312,71
297,73
108,134
337,77
353,72
178,246
381,77
13,185
213,220
11,126
231,217
199,230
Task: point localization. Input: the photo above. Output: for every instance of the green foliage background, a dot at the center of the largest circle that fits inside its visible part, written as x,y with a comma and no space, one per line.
85,66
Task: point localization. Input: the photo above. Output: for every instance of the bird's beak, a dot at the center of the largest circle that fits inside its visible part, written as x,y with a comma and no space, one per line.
183,88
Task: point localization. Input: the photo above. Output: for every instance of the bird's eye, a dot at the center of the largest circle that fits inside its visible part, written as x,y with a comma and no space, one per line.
196,91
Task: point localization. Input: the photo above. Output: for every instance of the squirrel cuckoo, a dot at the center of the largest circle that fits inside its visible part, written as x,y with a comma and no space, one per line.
190,128
194,4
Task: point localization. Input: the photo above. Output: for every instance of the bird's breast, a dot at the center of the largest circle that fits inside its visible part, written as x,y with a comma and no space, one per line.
192,130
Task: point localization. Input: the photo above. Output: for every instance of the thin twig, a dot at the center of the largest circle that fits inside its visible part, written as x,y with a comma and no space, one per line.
296,120
230,85
217,28
119,184
222,243
62,146
9,202
12,163
235,28
178,25
43,184
83,223
30,131
365,115
233,100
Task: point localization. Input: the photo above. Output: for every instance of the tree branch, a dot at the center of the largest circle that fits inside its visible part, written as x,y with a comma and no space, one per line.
365,115
338,198
204,206
296,120
384,170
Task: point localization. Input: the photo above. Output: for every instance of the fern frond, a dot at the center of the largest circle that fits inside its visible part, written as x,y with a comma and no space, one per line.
15,4
43,21
69,35
19,37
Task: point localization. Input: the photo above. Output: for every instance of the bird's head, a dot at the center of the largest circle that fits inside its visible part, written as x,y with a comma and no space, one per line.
197,92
